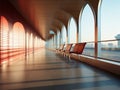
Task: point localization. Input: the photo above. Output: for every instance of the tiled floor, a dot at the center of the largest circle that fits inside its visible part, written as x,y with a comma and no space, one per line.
47,71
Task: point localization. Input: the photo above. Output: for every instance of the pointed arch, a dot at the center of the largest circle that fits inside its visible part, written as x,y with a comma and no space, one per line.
87,29
72,31
63,35
86,23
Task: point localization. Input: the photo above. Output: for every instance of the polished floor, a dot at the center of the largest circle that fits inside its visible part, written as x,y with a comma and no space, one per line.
45,70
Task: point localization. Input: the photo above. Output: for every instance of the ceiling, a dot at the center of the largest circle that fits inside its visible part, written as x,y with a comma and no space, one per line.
46,15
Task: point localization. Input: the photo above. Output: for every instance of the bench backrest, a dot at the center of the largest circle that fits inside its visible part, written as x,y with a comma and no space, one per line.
68,47
78,48
75,48
62,47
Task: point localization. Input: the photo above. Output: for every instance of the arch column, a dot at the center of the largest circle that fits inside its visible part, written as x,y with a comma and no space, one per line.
77,35
26,44
0,40
67,35
55,39
96,38
99,28
33,41
60,38
97,31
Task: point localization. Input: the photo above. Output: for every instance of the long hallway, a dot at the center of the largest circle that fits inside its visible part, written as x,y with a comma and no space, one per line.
45,70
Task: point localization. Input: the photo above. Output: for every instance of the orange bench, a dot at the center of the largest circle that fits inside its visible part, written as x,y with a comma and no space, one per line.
67,49
77,49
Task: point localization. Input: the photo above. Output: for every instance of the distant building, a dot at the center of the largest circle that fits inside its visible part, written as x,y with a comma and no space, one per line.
110,45
118,39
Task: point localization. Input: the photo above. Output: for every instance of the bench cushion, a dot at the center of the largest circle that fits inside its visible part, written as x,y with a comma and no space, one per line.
80,48
68,47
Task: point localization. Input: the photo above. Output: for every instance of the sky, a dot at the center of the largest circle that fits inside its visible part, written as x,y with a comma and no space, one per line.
110,19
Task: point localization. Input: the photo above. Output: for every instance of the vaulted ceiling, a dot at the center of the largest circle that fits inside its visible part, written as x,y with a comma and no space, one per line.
46,15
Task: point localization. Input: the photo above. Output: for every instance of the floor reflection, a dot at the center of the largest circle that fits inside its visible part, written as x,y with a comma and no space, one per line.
45,70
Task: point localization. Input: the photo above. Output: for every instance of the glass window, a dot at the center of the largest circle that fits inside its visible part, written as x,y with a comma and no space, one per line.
72,31
55,41
4,33
109,28
64,35
86,23
4,39
58,39
110,19
86,30
18,35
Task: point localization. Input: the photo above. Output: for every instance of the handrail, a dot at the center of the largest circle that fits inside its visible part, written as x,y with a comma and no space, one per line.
104,41
94,41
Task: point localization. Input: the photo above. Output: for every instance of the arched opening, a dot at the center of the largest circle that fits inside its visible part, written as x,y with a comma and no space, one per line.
72,31
18,35
4,39
4,33
86,29
63,35
55,41
58,39
50,43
